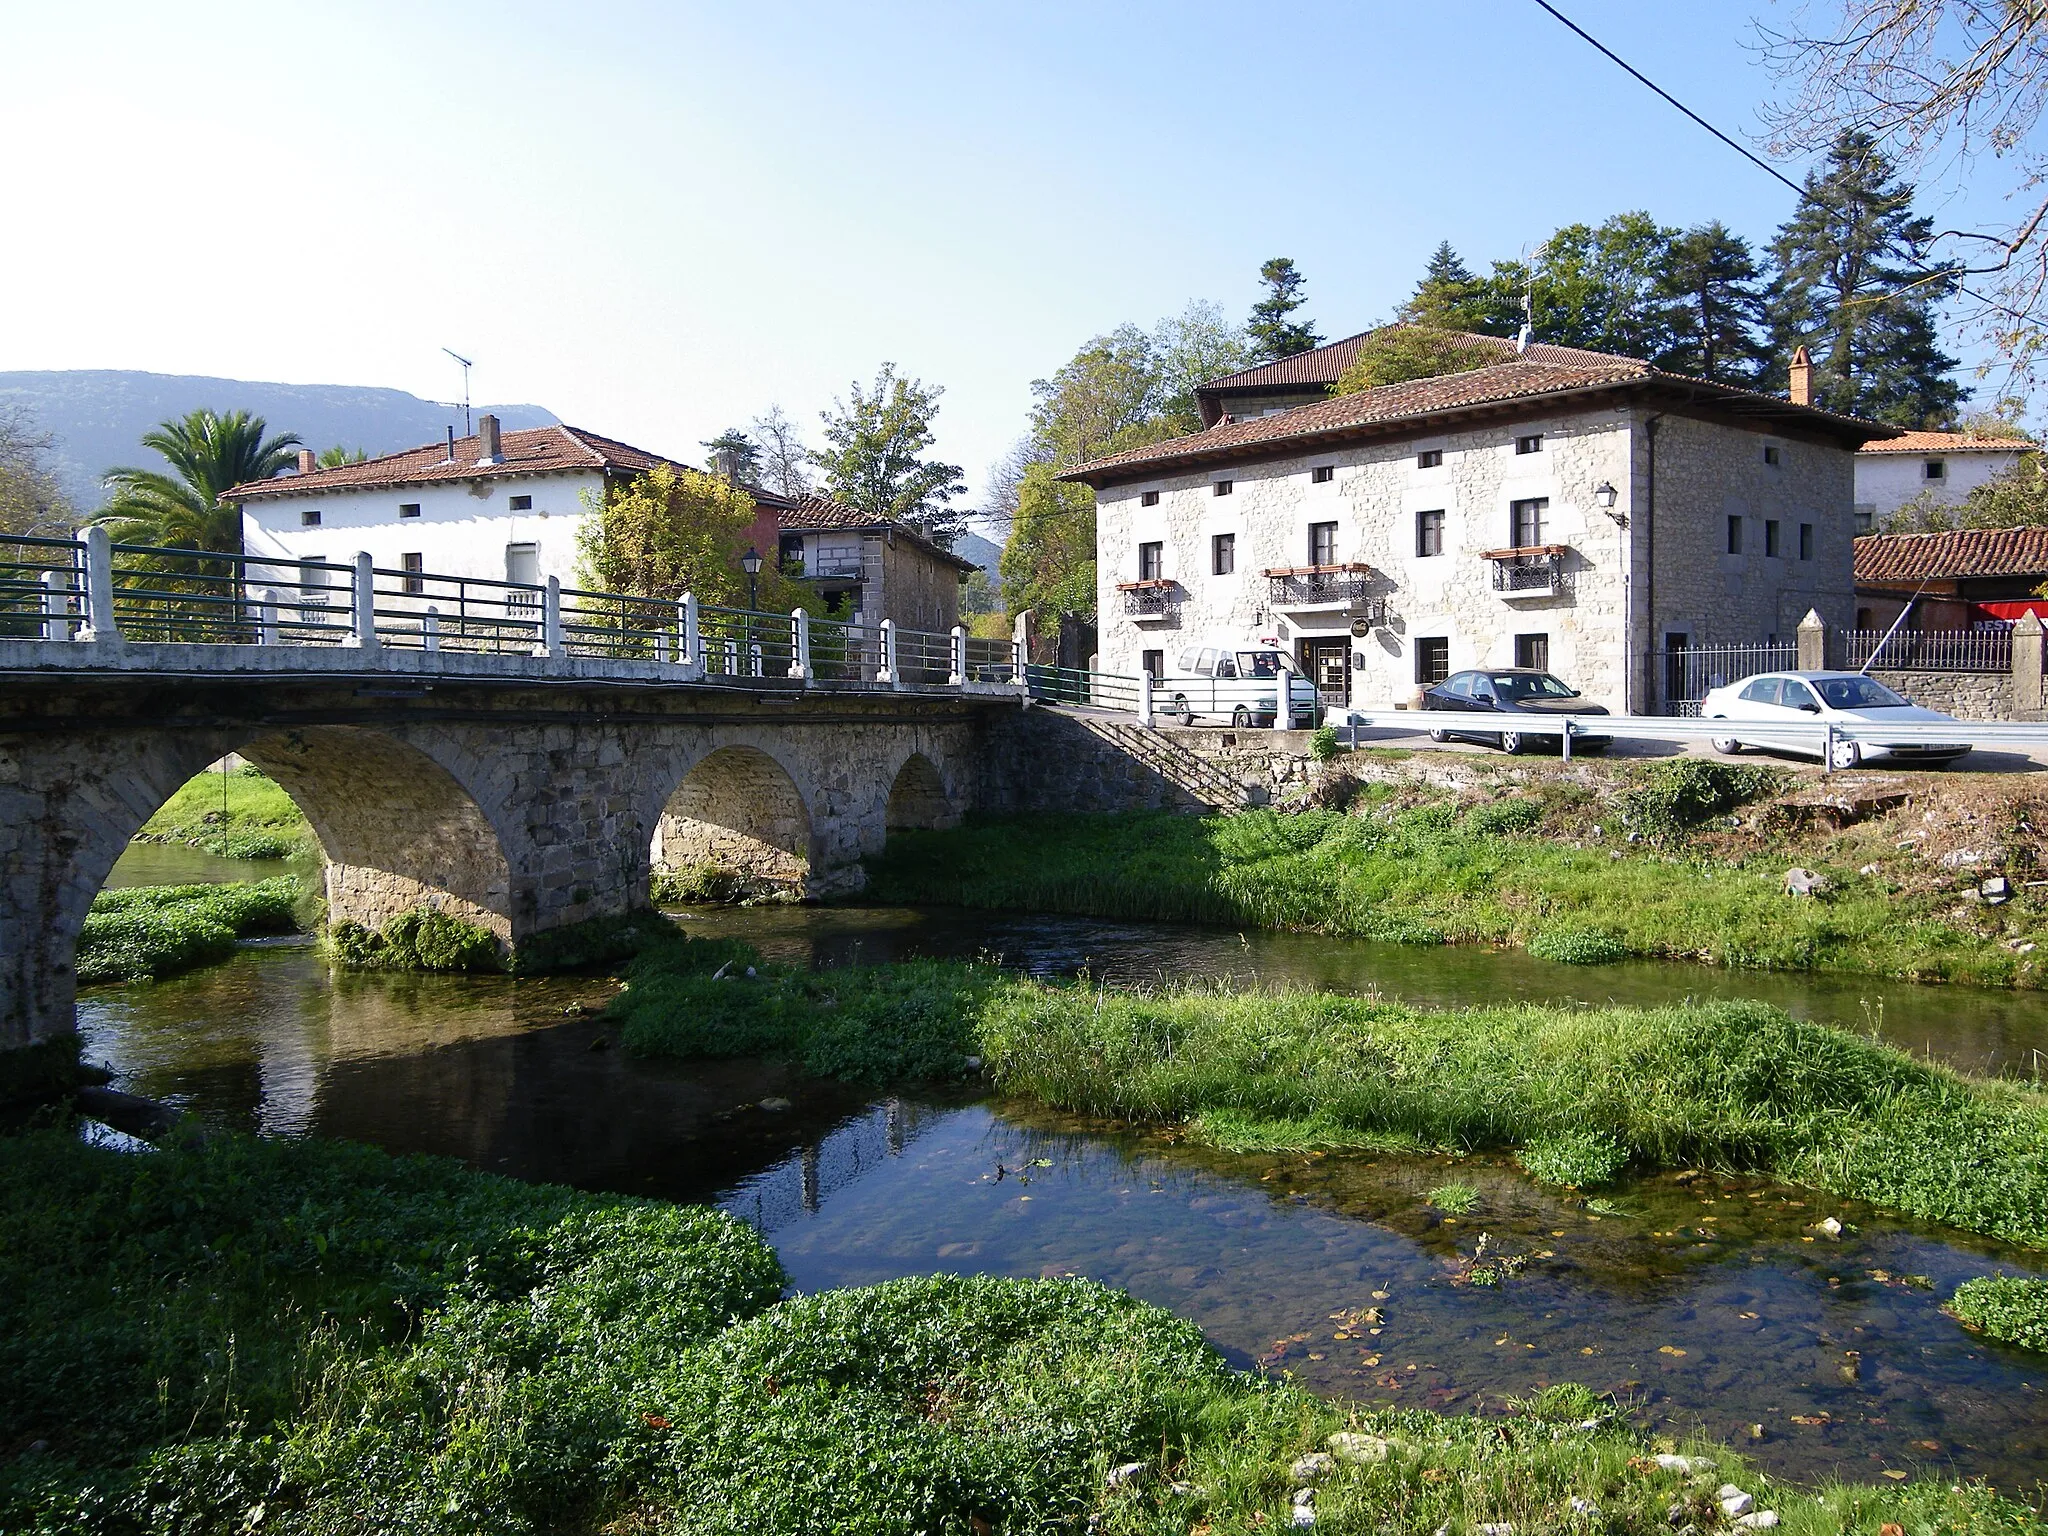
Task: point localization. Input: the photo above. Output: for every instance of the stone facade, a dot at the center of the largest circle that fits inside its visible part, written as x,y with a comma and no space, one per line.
1966,695
1658,565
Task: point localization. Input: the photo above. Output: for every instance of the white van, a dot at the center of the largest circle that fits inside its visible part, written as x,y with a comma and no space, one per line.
1235,683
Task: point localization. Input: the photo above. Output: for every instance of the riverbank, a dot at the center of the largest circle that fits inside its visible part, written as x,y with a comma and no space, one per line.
152,931
1682,860
241,814
1577,1094
308,1336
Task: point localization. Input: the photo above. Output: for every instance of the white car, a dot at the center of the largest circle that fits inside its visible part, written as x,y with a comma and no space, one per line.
1240,684
1753,705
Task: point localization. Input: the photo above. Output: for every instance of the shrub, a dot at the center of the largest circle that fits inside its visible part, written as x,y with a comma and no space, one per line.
1578,946
1682,793
1582,1159
1322,743
2006,1307
1518,813
417,939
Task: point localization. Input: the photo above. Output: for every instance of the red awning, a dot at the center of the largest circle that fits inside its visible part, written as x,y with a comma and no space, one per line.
2011,611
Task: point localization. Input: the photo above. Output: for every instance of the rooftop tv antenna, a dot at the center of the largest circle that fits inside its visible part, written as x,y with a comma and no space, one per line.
467,364
1528,332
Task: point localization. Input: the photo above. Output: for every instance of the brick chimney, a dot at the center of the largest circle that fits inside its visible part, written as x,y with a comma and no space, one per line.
308,461
1802,378
727,465
488,449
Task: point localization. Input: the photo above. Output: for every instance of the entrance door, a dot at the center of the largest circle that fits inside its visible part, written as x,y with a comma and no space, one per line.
1327,663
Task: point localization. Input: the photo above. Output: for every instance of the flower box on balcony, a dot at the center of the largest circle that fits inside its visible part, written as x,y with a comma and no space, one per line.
1535,570
1155,601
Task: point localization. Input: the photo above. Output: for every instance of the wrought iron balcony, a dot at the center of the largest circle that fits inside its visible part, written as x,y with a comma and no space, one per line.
1151,602
1534,571
1318,586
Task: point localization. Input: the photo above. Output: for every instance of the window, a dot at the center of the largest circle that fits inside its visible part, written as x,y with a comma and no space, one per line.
1429,458
1223,554
522,503
1533,443
415,566
1149,499
522,564
1798,696
1763,691
1864,620
1223,487
1865,516
1525,521
310,518
1429,533
1771,536
1151,561
1806,541
1322,543
408,509
1770,453
1155,664
1322,474
1432,660
1734,535
1936,469
1533,652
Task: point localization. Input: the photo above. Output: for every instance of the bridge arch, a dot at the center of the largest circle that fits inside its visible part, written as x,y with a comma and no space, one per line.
918,800
738,809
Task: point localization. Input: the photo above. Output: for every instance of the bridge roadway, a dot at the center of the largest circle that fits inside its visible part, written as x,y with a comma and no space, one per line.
520,792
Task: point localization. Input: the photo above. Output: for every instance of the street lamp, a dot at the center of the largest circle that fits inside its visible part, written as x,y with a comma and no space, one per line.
750,562
1606,495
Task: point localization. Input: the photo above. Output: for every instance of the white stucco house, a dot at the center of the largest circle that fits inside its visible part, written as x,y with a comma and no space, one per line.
1891,472
1575,511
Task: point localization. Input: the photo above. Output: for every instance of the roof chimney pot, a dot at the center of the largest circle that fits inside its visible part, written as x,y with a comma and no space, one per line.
1801,376
489,451
308,461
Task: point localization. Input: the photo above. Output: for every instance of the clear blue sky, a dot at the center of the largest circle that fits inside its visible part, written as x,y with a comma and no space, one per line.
658,219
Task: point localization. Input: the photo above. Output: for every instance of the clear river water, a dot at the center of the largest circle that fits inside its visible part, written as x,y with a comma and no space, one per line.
1704,1302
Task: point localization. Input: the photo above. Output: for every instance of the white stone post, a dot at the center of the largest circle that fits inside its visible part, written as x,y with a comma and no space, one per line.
56,605
1020,654
266,616
1283,702
551,618
800,660
1145,699
99,587
362,604
731,651
754,659
693,649
888,672
957,678
430,629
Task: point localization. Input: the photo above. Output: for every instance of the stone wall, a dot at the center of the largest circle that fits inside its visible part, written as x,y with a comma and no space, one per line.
1966,695
1043,760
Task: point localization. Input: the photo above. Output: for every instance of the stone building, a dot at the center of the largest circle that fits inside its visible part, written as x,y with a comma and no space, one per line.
1893,471
1564,509
867,568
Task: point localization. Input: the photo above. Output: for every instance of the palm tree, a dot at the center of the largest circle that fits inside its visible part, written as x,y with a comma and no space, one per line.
210,453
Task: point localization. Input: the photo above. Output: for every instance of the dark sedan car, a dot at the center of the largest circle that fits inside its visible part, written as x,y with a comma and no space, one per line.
1509,691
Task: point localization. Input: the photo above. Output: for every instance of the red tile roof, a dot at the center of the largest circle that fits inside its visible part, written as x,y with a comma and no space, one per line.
1543,373
1951,442
1890,559
538,451
821,514
1326,364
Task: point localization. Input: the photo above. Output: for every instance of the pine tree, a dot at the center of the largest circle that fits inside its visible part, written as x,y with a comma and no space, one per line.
1274,336
1853,288
1716,307
1451,297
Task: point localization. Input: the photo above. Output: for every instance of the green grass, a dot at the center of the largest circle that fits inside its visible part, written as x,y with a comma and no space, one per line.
1453,1197
260,821
151,931
2008,1307
1432,874
308,1337
1578,1093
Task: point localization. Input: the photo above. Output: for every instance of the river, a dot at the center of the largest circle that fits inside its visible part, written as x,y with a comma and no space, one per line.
1704,1302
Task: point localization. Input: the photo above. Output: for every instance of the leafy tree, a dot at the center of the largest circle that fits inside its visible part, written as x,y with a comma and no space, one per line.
1450,297
873,463
1852,287
1714,293
1048,565
1188,350
784,460
1394,354
31,501
746,454
1102,400
337,456
1272,334
209,454
668,532
1594,286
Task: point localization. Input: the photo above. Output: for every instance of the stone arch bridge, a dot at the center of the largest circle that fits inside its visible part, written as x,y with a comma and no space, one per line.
522,794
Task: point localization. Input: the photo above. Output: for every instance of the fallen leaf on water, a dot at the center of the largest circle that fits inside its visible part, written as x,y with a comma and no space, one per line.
1928,1445
1897,1477
1589,1350
1039,1162
1314,1356
1379,1295
1809,1418
1370,1360
1501,1340
1745,1314
1558,1233
1669,1349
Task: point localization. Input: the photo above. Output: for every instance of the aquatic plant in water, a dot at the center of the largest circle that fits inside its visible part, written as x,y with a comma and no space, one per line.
1453,1197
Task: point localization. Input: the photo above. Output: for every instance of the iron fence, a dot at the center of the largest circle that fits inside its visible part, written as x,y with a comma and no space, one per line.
1985,649
1324,588
1529,575
1690,673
